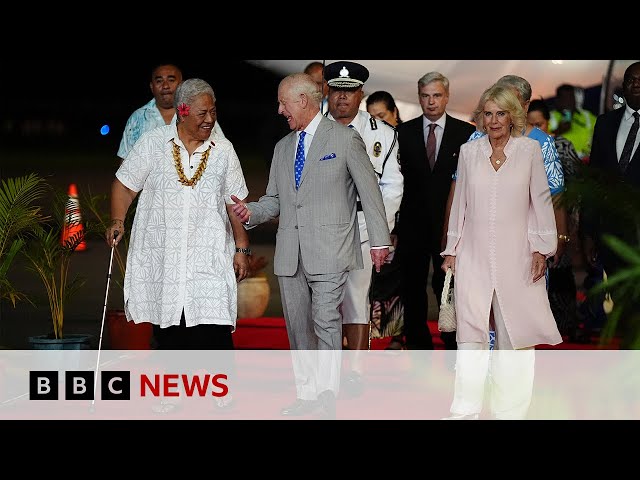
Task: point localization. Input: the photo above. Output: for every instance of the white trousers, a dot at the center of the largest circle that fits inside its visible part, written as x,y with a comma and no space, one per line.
509,373
316,371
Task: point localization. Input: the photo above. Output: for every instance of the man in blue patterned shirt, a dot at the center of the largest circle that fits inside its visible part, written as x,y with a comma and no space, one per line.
159,111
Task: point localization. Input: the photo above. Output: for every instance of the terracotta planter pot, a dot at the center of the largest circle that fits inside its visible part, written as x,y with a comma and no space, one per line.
124,335
253,297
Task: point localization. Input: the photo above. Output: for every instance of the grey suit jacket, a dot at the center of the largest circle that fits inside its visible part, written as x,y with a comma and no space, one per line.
319,220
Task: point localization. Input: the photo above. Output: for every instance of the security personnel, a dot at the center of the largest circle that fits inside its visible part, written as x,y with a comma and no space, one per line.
346,80
571,121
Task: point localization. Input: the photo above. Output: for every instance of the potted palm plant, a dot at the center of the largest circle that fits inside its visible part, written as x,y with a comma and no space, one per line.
20,217
49,256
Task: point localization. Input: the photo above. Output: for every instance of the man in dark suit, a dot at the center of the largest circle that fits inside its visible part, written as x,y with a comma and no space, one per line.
615,152
609,142
427,165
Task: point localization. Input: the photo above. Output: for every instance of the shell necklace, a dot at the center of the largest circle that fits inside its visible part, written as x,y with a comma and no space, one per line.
178,163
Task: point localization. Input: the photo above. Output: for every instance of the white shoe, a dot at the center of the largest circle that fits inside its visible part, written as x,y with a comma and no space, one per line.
461,416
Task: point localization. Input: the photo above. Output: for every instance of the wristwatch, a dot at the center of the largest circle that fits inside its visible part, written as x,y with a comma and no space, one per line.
246,251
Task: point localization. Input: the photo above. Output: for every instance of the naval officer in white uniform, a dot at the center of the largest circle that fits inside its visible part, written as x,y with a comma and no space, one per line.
346,80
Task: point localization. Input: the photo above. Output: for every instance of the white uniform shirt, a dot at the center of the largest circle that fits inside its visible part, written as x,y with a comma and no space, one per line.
182,247
378,143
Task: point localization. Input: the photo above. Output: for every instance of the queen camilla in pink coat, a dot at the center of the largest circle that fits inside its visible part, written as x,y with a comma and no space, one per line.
501,230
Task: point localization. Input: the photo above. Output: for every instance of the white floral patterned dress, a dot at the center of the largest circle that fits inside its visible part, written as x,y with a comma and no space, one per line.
182,247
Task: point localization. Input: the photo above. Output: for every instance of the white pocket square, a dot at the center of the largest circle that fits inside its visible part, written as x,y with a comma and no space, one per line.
328,157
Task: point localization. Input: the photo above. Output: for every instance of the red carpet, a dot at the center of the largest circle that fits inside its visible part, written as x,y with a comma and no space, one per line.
269,333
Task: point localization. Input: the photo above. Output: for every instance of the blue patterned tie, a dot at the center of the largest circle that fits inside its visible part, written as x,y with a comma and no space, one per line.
297,167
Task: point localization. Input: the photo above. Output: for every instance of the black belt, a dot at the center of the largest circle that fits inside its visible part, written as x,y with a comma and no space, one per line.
359,206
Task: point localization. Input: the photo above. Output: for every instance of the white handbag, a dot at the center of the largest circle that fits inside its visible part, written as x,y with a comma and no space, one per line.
447,314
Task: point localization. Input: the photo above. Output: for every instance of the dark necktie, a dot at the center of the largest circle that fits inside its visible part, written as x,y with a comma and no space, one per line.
299,164
625,158
431,145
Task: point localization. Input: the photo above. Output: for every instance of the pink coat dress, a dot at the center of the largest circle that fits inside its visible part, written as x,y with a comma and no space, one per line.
498,219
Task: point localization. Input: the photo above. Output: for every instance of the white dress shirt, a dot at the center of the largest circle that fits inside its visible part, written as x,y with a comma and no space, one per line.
623,132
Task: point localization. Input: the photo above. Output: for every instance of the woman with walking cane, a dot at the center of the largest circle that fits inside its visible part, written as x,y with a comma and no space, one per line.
187,248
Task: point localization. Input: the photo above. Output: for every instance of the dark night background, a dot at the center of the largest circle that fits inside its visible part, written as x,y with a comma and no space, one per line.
50,120
58,96
63,102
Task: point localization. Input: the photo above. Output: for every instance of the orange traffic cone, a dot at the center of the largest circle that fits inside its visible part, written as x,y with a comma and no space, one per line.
73,231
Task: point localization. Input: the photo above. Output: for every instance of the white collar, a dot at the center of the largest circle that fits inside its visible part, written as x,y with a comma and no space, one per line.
313,125
628,113
440,122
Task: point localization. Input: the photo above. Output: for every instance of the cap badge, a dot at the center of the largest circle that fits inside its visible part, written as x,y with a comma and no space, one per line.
377,149
344,72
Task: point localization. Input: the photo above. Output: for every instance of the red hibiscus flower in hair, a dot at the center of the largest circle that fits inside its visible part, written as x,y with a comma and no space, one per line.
183,109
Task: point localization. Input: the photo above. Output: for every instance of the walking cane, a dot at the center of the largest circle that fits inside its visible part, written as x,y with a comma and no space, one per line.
92,408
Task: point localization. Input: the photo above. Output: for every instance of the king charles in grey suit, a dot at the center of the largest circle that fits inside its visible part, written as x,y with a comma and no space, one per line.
318,239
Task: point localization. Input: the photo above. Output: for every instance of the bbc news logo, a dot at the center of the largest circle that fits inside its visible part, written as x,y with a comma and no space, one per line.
79,385
116,385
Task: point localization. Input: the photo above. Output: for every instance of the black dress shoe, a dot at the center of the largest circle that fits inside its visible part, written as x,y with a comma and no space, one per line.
353,384
299,407
327,404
